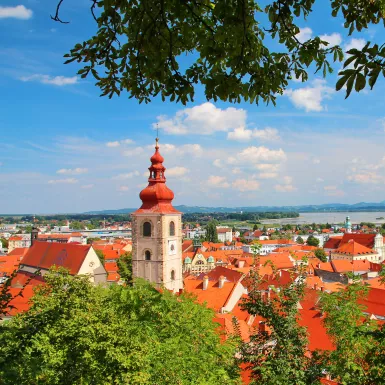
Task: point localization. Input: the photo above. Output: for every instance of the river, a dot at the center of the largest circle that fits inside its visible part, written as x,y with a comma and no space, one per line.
355,217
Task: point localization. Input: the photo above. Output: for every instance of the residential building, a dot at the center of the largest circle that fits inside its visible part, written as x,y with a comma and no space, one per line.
268,246
19,241
225,234
78,259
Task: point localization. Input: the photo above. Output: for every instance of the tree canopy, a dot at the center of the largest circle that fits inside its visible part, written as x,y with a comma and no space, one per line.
77,333
170,47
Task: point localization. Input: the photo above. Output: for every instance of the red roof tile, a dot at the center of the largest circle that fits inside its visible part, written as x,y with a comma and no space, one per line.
353,248
46,254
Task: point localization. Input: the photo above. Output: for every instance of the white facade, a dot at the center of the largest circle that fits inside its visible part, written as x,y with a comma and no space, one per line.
225,234
157,254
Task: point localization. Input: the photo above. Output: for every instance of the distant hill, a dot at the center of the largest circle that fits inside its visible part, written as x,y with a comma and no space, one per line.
329,207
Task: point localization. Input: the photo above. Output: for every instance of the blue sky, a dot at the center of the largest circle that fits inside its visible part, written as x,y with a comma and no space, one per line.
65,149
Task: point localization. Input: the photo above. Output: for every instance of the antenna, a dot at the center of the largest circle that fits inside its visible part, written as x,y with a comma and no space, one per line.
157,130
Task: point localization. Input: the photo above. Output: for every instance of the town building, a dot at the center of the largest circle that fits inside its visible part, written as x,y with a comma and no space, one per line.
19,241
225,234
78,259
157,232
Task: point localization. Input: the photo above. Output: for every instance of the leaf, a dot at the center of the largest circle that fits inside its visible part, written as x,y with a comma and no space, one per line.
360,82
349,85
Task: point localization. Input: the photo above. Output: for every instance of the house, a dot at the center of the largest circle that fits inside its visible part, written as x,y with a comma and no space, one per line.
268,246
78,259
355,251
63,238
19,241
225,234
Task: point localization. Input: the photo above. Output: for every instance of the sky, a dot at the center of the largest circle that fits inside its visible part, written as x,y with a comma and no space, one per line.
66,149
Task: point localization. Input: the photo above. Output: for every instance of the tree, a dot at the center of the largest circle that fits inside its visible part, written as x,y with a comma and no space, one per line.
78,333
76,225
321,255
90,241
255,227
168,48
4,242
312,241
125,267
278,354
100,255
359,358
211,231
300,240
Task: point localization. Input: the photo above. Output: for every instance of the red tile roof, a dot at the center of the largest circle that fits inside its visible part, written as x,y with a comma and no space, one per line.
353,248
375,302
332,243
231,275
46,254
344,265
366,240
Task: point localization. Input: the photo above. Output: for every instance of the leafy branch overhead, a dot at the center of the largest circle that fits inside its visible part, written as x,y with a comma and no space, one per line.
170,47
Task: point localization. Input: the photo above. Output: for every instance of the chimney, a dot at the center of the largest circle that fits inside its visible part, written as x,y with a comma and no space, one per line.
315,286
322,288
268,294
221,281
205,282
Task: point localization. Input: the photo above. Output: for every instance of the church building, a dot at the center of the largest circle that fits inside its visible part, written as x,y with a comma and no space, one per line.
157,232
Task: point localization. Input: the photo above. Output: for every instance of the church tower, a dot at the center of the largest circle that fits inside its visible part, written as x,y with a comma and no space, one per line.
157,232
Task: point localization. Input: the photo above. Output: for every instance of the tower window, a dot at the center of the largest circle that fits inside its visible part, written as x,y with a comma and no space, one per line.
147,255
147,229
172,275
172,229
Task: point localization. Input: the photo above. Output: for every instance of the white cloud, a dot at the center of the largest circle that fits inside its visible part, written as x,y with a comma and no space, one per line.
134,151
63,181
242,134
310,98
204,119
18,12
330,188
355,43
304,34
366,178
286,186
123,188
87,186
316,161
113,144
218,163
259,155
176,171
128,175
193,149
236,170
319,180
246,185
218,181
117,143
268,175
267,167
333,191
333,39
72,171
47,79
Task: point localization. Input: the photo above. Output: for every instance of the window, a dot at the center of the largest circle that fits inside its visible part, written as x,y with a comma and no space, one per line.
172,247
147,229
172,229
172,275
147,255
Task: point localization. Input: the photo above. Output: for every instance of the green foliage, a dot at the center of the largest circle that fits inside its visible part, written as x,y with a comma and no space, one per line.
211,231
77,225
90,241
278,356
77,333
255,227
300,240
125,267
359,357
138,46
312,241
321,255
4,242
100,255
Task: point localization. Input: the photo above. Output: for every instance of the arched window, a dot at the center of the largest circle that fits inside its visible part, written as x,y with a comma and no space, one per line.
147,255
147,229
172,229
200,263
172,275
